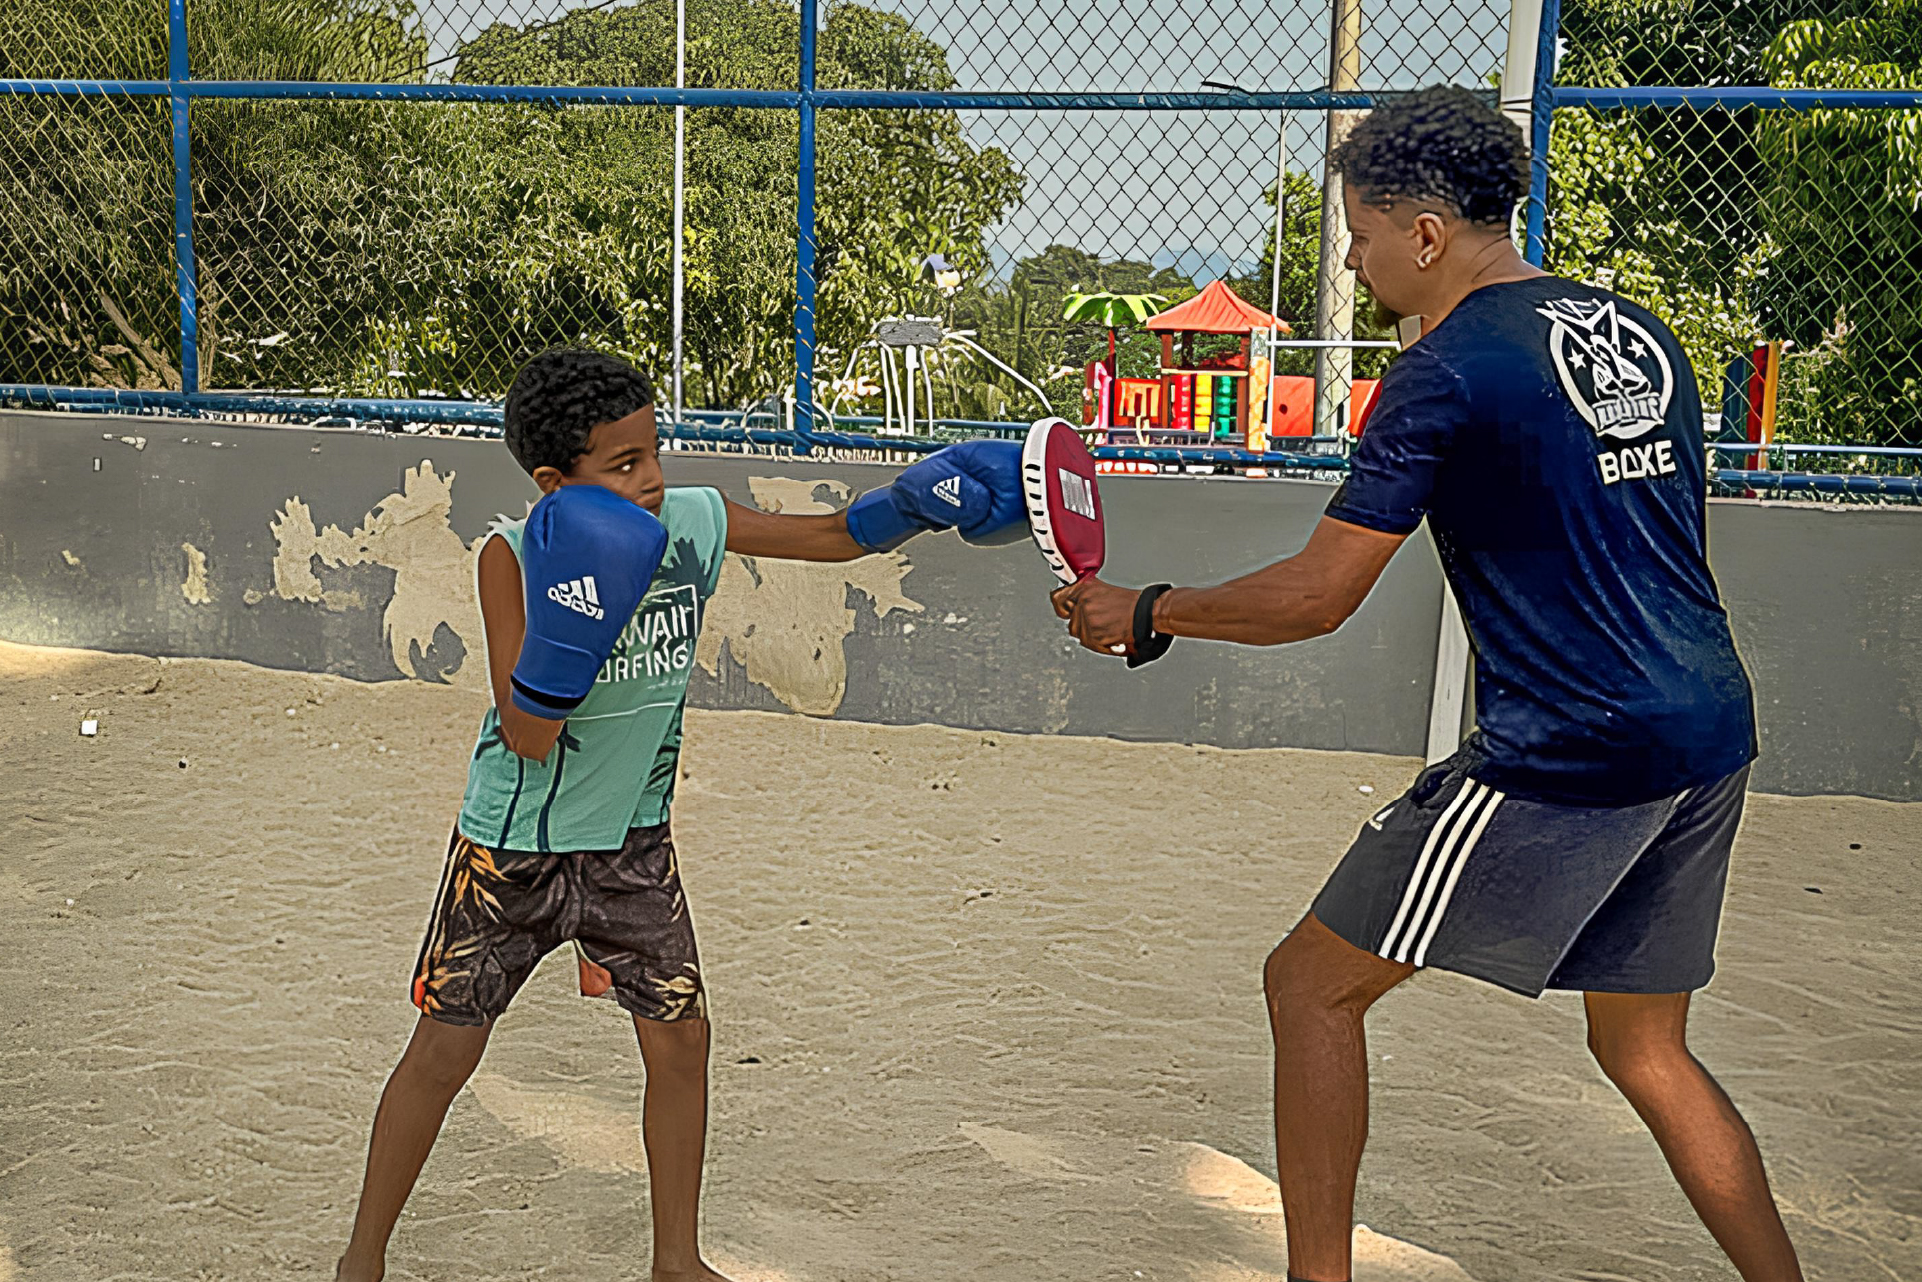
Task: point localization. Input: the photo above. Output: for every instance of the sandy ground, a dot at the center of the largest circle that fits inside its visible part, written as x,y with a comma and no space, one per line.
987,1008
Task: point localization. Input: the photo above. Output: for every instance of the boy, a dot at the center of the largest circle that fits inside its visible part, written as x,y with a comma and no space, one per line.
563,834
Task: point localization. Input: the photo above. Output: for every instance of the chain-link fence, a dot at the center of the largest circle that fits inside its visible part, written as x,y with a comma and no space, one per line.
364,204
1767,209
340,203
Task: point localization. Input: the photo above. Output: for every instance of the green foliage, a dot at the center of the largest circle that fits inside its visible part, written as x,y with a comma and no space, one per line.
895,186
1680,42
397,249
1650,224
1746,224
1843,199
88,237
1113,311
1651,204
86,271
1022,321
1300,265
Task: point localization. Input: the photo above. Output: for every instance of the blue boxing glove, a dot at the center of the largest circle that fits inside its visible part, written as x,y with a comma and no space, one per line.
587,556
973,487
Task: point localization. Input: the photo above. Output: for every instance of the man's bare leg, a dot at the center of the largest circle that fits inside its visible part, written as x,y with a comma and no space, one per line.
1319,989
674,1131
1641,1042
437,1062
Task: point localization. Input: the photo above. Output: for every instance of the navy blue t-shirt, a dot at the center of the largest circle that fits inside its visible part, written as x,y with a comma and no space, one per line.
1551,434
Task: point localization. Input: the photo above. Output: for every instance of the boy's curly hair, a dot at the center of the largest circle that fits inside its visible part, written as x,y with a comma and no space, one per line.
559,397
1439,144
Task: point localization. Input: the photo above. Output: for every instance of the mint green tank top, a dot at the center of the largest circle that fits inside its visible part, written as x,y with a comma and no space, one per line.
614,765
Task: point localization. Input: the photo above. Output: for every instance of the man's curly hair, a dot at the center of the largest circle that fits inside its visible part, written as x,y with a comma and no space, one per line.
1440,144
559,397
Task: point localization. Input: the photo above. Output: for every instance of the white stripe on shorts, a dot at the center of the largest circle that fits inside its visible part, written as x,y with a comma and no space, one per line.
1438,869
1421,867
1454,875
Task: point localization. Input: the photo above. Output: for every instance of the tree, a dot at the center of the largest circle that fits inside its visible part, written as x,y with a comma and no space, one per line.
1734,225
86,258
1020,319
1112,311
1841,198
895,186
1651,203
588,243
1300,267
372,248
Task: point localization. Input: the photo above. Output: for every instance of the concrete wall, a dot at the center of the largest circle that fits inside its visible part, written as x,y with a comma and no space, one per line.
348,553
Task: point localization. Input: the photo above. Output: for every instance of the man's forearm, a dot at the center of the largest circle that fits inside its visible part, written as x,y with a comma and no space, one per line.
1272,606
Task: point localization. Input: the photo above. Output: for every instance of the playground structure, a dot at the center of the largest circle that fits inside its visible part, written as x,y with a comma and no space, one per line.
1751,388
1230,398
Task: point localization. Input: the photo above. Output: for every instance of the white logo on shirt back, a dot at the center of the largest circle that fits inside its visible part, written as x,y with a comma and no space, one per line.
1612,368
578,595
949,490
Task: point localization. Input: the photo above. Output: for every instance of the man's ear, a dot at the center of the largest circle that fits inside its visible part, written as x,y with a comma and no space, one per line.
1431,236
548,479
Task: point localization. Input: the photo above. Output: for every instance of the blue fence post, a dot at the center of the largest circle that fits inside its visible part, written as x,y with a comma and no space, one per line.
804,290
179,71
1542,116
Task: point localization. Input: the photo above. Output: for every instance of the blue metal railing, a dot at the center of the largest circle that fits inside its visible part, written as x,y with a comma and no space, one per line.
1766,484
1541,123
185,276
1733,99
667,96
806,99
712,427
811,425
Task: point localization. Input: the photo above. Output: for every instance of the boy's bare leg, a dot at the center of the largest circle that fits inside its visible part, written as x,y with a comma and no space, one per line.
674,1132
437,1062
1319,989
1641,1043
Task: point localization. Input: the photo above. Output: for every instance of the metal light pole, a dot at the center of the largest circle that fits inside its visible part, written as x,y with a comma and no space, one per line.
1530,31
1274,282
680,189
1335,284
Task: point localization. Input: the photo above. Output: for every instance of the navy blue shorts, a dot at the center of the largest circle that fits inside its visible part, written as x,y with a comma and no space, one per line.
1529,895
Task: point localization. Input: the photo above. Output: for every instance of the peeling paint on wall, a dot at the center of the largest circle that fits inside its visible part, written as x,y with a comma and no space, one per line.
194,586
787,622
410,533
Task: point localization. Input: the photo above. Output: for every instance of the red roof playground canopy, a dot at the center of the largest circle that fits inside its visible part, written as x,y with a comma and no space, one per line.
1215,310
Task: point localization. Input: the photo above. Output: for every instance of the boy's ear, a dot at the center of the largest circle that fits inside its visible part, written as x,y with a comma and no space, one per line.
548,478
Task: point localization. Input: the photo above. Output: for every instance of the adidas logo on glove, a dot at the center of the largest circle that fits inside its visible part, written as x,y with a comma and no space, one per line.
578,595
949,490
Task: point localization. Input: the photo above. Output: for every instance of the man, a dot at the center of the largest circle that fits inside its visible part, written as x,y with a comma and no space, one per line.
1550,434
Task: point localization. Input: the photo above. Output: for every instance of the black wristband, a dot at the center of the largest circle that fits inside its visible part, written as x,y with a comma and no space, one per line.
1149,644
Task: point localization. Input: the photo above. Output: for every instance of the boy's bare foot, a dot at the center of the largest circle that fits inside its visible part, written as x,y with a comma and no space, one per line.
701,1272
351,1270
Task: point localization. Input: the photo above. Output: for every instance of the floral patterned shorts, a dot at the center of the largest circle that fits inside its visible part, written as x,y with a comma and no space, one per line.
500,911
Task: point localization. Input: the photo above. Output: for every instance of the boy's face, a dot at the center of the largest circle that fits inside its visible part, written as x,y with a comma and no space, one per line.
623,456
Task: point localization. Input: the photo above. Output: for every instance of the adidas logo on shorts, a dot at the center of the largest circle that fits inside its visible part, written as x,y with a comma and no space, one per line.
949,490
578,595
